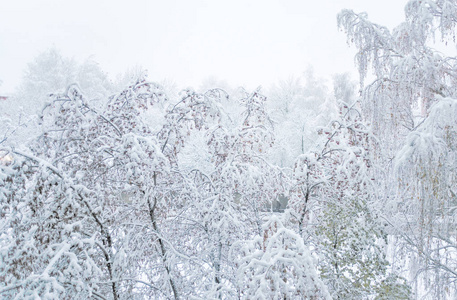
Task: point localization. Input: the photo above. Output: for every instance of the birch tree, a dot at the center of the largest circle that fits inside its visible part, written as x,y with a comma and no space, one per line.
413,83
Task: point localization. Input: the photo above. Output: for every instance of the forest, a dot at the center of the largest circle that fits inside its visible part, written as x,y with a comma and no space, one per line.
131,189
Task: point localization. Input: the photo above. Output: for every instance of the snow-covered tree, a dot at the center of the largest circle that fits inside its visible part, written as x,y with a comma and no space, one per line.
120,182
235,181
278,265
94,159
332,202
426,215
51,72
297,107
50,248
407,106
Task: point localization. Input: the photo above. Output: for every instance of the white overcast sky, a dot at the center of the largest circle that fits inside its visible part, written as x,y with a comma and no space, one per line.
244,42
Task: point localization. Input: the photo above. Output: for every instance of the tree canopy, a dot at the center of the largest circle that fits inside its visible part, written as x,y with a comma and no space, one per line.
128,190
